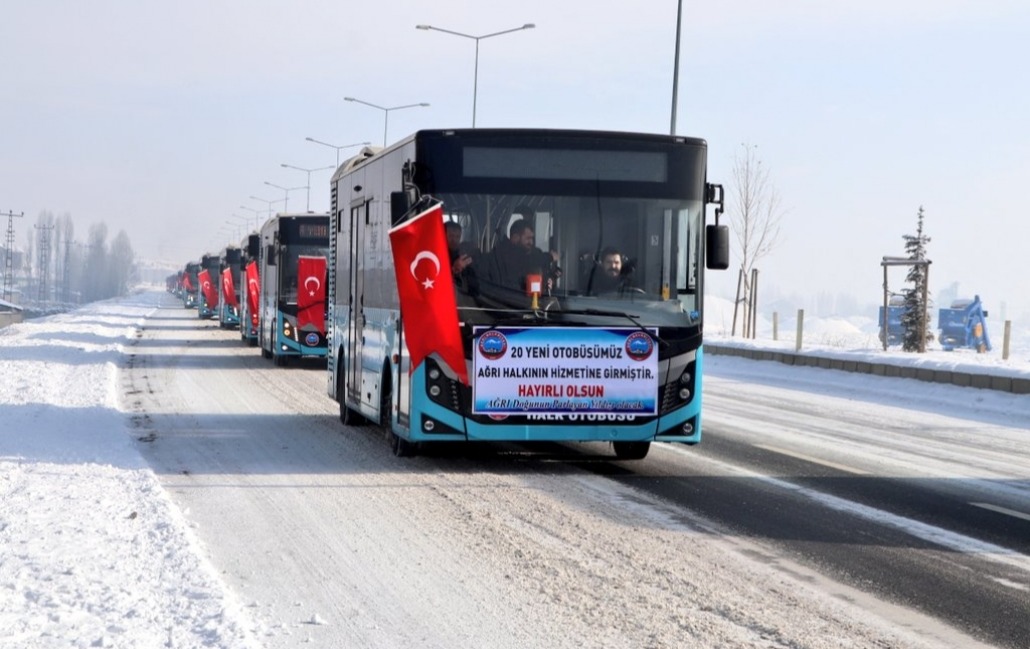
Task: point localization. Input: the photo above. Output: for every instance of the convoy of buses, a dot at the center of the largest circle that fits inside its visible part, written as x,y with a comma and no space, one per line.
546,357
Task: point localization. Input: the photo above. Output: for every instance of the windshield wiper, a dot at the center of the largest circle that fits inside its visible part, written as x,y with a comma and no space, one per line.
618,314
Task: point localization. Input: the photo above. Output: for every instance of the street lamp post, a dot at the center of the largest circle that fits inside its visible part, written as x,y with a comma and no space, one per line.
238,222
256,211
475,77
268,203
386,111
333,146
676,67
308,171
286,198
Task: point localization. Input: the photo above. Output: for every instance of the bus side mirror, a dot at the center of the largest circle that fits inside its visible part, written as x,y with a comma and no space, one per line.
400,204
270,256
717,247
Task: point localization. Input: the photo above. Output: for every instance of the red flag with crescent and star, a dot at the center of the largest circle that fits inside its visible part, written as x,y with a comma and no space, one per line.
210,292
311,292
253,289
228,288
428,307
187,285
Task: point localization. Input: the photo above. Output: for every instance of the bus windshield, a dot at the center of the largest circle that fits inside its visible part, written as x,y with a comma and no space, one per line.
289,256
592,256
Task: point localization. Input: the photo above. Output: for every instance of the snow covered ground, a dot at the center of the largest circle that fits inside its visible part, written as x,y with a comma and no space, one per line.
94,552
857,338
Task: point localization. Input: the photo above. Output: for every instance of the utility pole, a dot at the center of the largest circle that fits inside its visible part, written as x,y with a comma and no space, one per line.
9,254
44,262
66,279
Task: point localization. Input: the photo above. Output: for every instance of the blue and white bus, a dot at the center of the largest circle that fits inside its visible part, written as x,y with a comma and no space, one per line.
285,239
248,316
208,308
189,285
231,259
575,361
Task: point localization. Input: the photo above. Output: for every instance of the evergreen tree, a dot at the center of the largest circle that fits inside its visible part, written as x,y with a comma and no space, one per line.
912,318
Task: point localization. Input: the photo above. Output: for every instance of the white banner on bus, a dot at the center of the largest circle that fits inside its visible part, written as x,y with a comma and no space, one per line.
564,370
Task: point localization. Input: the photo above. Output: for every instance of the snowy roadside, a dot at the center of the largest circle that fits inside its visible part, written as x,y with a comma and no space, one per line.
95,554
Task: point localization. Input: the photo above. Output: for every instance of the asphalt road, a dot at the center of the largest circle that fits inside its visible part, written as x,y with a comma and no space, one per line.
923,510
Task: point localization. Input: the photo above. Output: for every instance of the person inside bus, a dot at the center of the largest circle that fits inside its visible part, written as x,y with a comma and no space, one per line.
461,260
607,274
514,258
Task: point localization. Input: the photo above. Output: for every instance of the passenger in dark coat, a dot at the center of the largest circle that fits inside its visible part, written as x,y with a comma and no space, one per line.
514,258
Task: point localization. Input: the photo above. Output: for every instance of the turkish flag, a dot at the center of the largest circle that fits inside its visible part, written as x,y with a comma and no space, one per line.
311,292
228,288
428,306
253,289
210,292
187,285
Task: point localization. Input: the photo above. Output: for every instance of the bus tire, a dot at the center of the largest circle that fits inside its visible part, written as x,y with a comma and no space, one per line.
400,446
631,450
348,416
279,360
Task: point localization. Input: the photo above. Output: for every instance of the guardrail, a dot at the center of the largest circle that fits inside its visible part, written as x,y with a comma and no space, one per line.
1013,384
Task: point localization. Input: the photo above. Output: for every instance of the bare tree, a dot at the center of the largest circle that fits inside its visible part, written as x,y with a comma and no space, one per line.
120,264
755,212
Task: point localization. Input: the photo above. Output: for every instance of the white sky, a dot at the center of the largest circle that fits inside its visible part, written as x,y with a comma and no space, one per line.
96,552
163,119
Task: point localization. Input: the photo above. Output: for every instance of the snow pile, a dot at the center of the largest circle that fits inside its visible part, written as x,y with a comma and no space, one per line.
94,555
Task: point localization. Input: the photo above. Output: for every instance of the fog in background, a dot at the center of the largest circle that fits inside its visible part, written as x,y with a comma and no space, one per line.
163,120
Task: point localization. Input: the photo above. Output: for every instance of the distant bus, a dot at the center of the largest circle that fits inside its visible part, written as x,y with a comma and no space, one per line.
248,317
229,310
285,239
620,364
189,285
208,308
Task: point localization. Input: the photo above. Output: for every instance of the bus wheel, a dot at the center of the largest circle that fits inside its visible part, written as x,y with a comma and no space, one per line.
348,417
400,446
631,450
279,360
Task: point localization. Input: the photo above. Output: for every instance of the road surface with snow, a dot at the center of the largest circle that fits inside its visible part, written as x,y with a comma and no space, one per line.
181,491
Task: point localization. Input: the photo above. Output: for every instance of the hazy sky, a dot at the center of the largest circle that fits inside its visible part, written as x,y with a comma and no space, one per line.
162,119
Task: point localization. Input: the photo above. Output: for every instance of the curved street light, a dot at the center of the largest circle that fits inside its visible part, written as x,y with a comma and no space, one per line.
337,147
287,190
386,111
256,211
475,77
308,171
268,203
